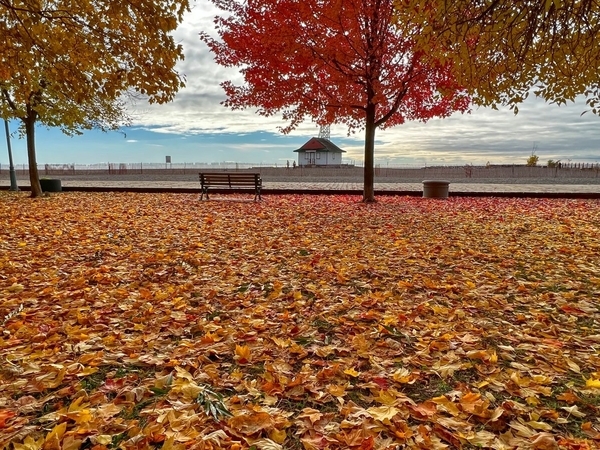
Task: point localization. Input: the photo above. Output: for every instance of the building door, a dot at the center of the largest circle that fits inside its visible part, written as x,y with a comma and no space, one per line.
311,158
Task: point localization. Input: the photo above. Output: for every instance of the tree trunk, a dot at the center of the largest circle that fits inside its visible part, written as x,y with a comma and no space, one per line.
369,175
34,179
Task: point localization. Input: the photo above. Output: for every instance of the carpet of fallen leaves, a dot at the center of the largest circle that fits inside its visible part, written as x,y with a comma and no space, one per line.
141,321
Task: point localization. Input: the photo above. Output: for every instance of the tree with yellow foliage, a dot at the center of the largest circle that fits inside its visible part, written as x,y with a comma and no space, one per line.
504,49
70,63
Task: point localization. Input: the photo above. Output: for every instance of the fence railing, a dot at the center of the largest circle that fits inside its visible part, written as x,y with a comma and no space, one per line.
562,170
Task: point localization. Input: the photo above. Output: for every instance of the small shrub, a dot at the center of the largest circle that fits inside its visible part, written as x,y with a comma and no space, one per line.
532,161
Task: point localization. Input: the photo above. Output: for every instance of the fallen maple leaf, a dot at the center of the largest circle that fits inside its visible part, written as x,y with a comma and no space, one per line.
353,373
243,354
29,443
383,413
250,422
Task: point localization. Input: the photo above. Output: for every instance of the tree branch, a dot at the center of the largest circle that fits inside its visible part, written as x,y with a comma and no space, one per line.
9,100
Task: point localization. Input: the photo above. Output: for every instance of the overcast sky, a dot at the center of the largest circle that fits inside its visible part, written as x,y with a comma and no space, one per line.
196,128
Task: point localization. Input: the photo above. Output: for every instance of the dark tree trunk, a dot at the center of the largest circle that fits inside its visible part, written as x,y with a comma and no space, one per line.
369,173
34,179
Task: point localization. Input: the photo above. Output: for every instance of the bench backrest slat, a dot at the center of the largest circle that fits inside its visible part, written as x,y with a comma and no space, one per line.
230,179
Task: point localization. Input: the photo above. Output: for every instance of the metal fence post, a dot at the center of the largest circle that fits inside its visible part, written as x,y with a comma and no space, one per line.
11,167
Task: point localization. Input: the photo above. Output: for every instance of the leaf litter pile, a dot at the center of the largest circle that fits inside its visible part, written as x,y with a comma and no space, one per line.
147,321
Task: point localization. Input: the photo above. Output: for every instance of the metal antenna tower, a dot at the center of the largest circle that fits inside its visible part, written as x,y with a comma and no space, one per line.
325,132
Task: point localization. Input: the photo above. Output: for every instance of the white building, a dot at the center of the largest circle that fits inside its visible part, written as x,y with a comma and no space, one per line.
319,152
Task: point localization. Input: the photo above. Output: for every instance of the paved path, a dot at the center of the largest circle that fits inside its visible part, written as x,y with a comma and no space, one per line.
325,187
454,187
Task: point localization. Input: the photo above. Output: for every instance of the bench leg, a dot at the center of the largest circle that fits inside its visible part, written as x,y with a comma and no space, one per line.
204,191
257,194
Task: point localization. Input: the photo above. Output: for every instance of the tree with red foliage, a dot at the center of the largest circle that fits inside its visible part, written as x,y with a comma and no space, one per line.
335,61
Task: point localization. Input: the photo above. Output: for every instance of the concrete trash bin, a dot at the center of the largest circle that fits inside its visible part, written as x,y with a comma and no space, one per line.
435,188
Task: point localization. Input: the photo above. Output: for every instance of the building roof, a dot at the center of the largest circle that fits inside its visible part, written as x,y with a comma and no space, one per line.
321,144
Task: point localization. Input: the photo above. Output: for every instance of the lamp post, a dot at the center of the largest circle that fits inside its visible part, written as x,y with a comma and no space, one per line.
11,167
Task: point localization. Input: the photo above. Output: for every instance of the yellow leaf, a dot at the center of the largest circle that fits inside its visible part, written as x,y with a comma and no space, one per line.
76,405
352,372
539,425
278,436
182,373
386,397
337,390
30,444
447,405
103,439
591,383
242,354
493,357
521,429
402,375
169,444
87,371
283,343
383,413
57,433
484,355
189,390
15,288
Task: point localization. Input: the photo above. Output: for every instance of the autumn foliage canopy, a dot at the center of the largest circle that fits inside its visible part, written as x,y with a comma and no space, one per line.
504,50
328,61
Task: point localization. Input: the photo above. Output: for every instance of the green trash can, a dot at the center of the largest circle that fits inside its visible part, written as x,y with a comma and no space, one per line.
50,185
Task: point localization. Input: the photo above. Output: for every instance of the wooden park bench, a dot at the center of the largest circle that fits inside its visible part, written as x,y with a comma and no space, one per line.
230,180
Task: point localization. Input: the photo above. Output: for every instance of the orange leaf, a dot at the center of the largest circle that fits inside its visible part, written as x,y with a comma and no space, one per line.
568,397
590,431
5,414
251,422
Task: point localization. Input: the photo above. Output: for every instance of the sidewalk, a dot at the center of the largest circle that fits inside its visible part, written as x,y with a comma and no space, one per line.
321,187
